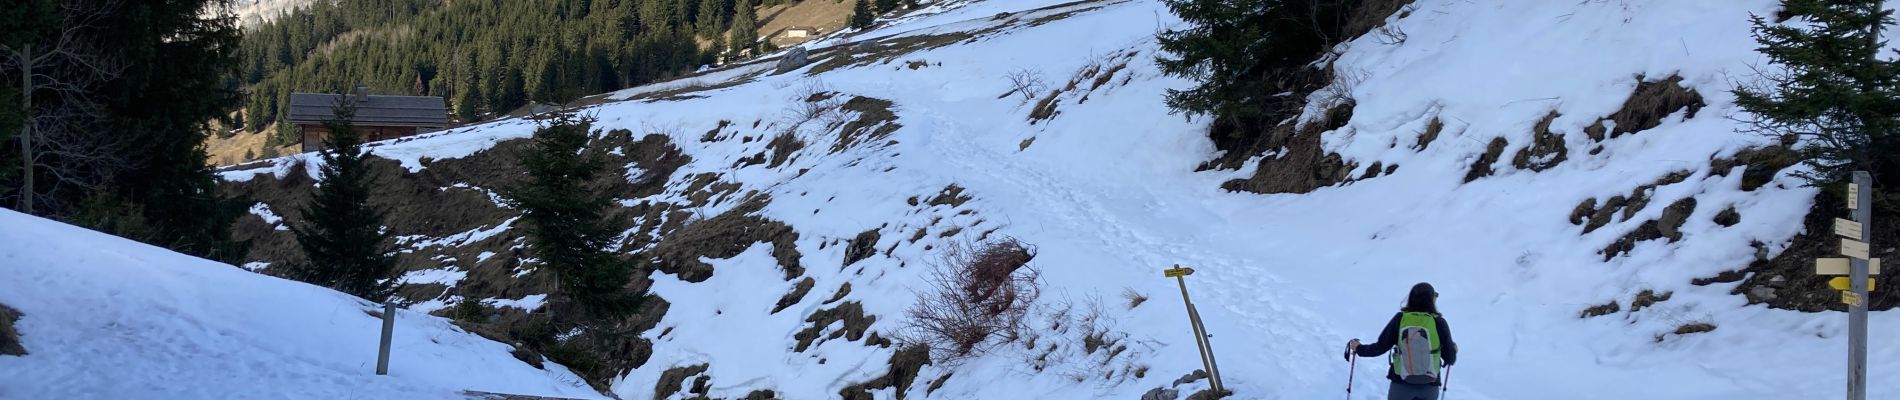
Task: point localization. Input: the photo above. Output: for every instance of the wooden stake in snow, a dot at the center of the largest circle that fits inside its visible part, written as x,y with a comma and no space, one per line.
389,327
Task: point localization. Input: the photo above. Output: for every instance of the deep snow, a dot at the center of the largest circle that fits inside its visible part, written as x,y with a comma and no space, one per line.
109,318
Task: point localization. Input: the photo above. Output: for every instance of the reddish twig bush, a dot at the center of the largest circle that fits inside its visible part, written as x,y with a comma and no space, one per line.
977,296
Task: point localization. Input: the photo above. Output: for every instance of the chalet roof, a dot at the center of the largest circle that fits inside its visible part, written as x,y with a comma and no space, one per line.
422,111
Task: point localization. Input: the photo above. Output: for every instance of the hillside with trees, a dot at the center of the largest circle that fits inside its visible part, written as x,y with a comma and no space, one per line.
486,57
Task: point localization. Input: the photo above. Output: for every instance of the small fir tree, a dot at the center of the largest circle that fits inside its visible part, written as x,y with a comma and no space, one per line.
565,220
342,236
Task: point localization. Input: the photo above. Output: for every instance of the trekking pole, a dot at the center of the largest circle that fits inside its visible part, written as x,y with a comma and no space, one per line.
1350,372
1442,389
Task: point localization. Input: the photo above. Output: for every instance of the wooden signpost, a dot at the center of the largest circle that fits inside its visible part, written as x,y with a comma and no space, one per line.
1180,274
1858,267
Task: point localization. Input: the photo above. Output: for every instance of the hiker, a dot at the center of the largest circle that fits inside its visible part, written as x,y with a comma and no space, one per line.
1421,346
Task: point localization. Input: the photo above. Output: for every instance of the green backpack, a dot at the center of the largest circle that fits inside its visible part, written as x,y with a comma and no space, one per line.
1415,358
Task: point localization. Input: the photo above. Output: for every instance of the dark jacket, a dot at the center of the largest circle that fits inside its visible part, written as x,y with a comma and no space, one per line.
1447,349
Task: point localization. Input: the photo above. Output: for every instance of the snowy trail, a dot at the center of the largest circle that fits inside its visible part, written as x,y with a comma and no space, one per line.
1108,193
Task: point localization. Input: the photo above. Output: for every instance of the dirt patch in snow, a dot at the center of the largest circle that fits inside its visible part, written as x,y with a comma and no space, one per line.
875,120
1482,167
1546,149
851,313
725,236
10,337
1303,166
797,294
904,366
1647,106
674,379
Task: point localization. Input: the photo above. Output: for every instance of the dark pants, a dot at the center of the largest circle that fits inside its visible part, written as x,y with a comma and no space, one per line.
1407,391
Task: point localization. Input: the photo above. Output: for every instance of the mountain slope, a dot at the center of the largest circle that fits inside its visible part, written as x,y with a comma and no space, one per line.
908,137
105,317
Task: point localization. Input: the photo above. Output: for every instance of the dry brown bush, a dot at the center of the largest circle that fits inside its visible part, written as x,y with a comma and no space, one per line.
977,296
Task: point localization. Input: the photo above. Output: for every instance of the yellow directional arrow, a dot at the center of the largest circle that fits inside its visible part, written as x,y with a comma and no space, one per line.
1177,271
1841,283
1850,298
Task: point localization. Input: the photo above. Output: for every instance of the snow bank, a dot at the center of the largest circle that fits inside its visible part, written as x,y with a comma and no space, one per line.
110,318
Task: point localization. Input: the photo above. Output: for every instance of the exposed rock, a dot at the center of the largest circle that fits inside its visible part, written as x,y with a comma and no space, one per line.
1191,377
793,59
674,379
1161,394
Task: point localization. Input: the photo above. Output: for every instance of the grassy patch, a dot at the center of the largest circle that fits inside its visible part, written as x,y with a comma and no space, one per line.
1647,106
1546,149
1482,166
9,337
875,120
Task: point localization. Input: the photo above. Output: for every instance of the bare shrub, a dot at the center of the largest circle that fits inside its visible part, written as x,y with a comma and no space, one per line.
1026,83
1134,298
813,100
977,296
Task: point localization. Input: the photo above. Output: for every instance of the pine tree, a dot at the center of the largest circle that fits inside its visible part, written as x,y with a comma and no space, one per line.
468,99
1247,55
886,6
711,21
745,30
1833,96
862,15
565,220
178,62
345,246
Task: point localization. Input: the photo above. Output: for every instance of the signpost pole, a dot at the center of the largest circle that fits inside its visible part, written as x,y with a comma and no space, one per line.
1201,341
1858,282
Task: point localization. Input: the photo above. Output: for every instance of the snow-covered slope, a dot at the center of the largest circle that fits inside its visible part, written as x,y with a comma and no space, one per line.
109,318
1103,180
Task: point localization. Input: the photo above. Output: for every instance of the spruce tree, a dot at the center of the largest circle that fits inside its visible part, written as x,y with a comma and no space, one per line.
711,21
565,220
468,98
886,6
1832,94
177,65
745,30
862,15
1247,55
345,246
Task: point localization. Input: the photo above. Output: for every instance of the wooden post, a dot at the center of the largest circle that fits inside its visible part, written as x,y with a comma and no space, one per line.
1857,310
389,327
1200,332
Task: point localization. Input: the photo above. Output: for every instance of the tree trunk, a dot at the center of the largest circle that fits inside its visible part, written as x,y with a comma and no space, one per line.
26,128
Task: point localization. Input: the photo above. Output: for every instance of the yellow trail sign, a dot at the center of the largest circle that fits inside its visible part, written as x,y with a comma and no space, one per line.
1850,298
1177,271
1841,283
1839,266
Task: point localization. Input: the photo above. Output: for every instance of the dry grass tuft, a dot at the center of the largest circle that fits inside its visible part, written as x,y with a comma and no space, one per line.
1647,106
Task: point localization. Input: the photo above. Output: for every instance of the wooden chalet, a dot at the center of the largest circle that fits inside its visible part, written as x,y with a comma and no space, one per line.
376,118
